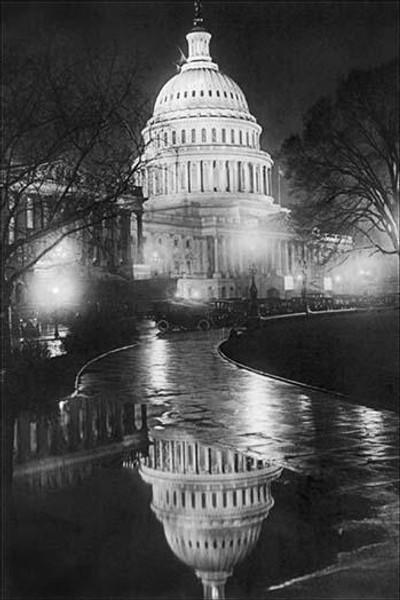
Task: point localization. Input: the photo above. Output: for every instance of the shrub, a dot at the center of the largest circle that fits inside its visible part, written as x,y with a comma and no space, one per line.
96,333
28,382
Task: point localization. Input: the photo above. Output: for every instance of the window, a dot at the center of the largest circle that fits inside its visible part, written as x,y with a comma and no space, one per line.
174,137
183,136
178,95
185,94
247,138
176,243
201,92
213,134
225,94
29,213
187,243
193,93
203,135
193,136
218,93
232,136
223,136
210,92
240,137
165,139
231,95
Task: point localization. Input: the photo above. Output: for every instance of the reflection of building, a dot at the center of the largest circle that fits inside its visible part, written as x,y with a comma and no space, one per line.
211,501
210,214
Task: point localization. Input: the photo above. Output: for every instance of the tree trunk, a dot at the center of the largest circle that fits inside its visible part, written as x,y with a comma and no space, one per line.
7,410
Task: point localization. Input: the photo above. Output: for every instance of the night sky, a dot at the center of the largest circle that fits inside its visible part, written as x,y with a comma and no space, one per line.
284,55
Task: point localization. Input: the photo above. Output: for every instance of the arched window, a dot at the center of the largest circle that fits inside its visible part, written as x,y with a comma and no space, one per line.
227,177
201,176
239,176
223,136
264,180
215,176
189,177
203,135
251,177
213,134
193,136
183,136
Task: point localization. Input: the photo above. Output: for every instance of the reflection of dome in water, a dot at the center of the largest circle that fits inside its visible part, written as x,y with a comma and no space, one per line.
212,502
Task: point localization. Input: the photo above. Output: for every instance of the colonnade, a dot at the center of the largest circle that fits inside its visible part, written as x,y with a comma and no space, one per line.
187,176
191,457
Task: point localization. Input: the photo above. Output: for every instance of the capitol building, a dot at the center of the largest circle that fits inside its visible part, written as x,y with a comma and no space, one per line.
212,502
210,219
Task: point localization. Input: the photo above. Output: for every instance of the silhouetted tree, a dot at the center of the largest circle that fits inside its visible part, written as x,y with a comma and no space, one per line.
71,134
343,170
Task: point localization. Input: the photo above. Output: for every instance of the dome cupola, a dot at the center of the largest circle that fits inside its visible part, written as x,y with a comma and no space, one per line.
200,85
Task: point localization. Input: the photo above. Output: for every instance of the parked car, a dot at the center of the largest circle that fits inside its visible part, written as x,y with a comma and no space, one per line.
190,314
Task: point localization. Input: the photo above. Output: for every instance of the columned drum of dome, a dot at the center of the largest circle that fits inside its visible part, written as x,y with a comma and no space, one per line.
210,216
211,501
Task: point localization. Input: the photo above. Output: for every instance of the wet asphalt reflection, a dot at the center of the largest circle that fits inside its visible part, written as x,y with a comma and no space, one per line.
333,501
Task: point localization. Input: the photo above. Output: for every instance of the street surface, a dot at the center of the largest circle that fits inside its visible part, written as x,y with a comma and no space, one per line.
340,459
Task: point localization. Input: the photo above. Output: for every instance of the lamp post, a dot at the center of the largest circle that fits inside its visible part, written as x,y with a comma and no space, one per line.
253,309
304,281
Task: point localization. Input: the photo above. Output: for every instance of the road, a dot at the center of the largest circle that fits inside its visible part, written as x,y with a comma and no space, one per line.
340,459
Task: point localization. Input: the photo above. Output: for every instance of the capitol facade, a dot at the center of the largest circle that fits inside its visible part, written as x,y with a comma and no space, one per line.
210,219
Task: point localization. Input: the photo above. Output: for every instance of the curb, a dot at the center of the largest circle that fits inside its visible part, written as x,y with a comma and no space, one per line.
307,386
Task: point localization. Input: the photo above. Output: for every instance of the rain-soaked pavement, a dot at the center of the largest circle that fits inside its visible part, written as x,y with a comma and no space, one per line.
229,441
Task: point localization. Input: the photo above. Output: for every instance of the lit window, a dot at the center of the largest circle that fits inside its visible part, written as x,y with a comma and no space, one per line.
29,213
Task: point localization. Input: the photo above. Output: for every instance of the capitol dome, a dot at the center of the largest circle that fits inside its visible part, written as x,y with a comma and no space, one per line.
200,88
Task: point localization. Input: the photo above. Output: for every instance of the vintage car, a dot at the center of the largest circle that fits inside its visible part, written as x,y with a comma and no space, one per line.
191,314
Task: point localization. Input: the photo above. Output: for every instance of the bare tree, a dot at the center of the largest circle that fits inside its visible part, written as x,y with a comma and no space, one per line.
343,170
71,137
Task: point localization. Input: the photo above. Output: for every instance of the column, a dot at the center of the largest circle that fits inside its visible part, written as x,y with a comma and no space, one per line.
216,257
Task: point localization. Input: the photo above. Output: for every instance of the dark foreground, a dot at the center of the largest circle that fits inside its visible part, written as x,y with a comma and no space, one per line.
355,354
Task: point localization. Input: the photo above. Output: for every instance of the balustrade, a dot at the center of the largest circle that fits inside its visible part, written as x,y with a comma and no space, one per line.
82,424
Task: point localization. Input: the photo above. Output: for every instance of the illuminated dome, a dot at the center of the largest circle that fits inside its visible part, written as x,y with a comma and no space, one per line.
211,501
200,88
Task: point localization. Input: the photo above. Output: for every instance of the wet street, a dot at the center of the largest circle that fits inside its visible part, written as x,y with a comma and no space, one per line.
322,521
